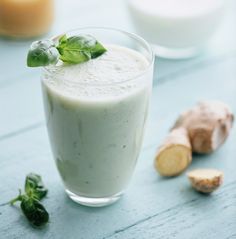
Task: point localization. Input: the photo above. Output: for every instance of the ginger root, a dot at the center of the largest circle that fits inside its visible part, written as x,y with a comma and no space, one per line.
175,154
205,180
208,125
201,129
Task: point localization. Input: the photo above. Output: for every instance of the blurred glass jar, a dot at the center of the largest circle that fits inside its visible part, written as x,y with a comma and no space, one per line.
25,18
176,28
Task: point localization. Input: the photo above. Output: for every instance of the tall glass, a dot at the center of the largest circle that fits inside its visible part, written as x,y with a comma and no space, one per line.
96,143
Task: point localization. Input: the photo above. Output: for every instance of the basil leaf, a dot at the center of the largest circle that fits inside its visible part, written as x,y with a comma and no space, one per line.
62,39
78,49
42,53
34,186
34,211
97,50
71,50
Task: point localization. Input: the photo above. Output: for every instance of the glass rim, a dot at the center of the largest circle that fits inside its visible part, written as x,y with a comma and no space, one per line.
131,35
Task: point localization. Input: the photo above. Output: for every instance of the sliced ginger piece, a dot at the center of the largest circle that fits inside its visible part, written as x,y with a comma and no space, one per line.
175,154
205,180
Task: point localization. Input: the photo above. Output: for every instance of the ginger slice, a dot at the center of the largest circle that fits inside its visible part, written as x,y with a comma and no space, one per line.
208,125
175,154
205,180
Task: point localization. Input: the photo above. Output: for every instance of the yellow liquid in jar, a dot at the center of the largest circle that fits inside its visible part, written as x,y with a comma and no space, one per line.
25,18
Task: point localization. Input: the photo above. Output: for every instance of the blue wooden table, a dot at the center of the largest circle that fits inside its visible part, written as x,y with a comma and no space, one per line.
153,207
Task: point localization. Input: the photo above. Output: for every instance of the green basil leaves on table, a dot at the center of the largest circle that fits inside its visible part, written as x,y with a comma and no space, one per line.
30,205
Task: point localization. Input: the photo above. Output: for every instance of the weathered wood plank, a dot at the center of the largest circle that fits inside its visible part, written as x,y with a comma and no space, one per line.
21,106
197,218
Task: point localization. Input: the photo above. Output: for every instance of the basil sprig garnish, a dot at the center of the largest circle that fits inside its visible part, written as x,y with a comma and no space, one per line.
30,204
73,50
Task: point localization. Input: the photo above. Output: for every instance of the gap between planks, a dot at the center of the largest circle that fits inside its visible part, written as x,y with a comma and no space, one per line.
157,81
224,189
204,63
39,125
22,130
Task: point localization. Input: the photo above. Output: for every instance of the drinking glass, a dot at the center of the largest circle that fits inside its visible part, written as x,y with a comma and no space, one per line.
96,142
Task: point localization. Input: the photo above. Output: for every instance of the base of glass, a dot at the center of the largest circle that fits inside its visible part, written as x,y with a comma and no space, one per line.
93,202
175,53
